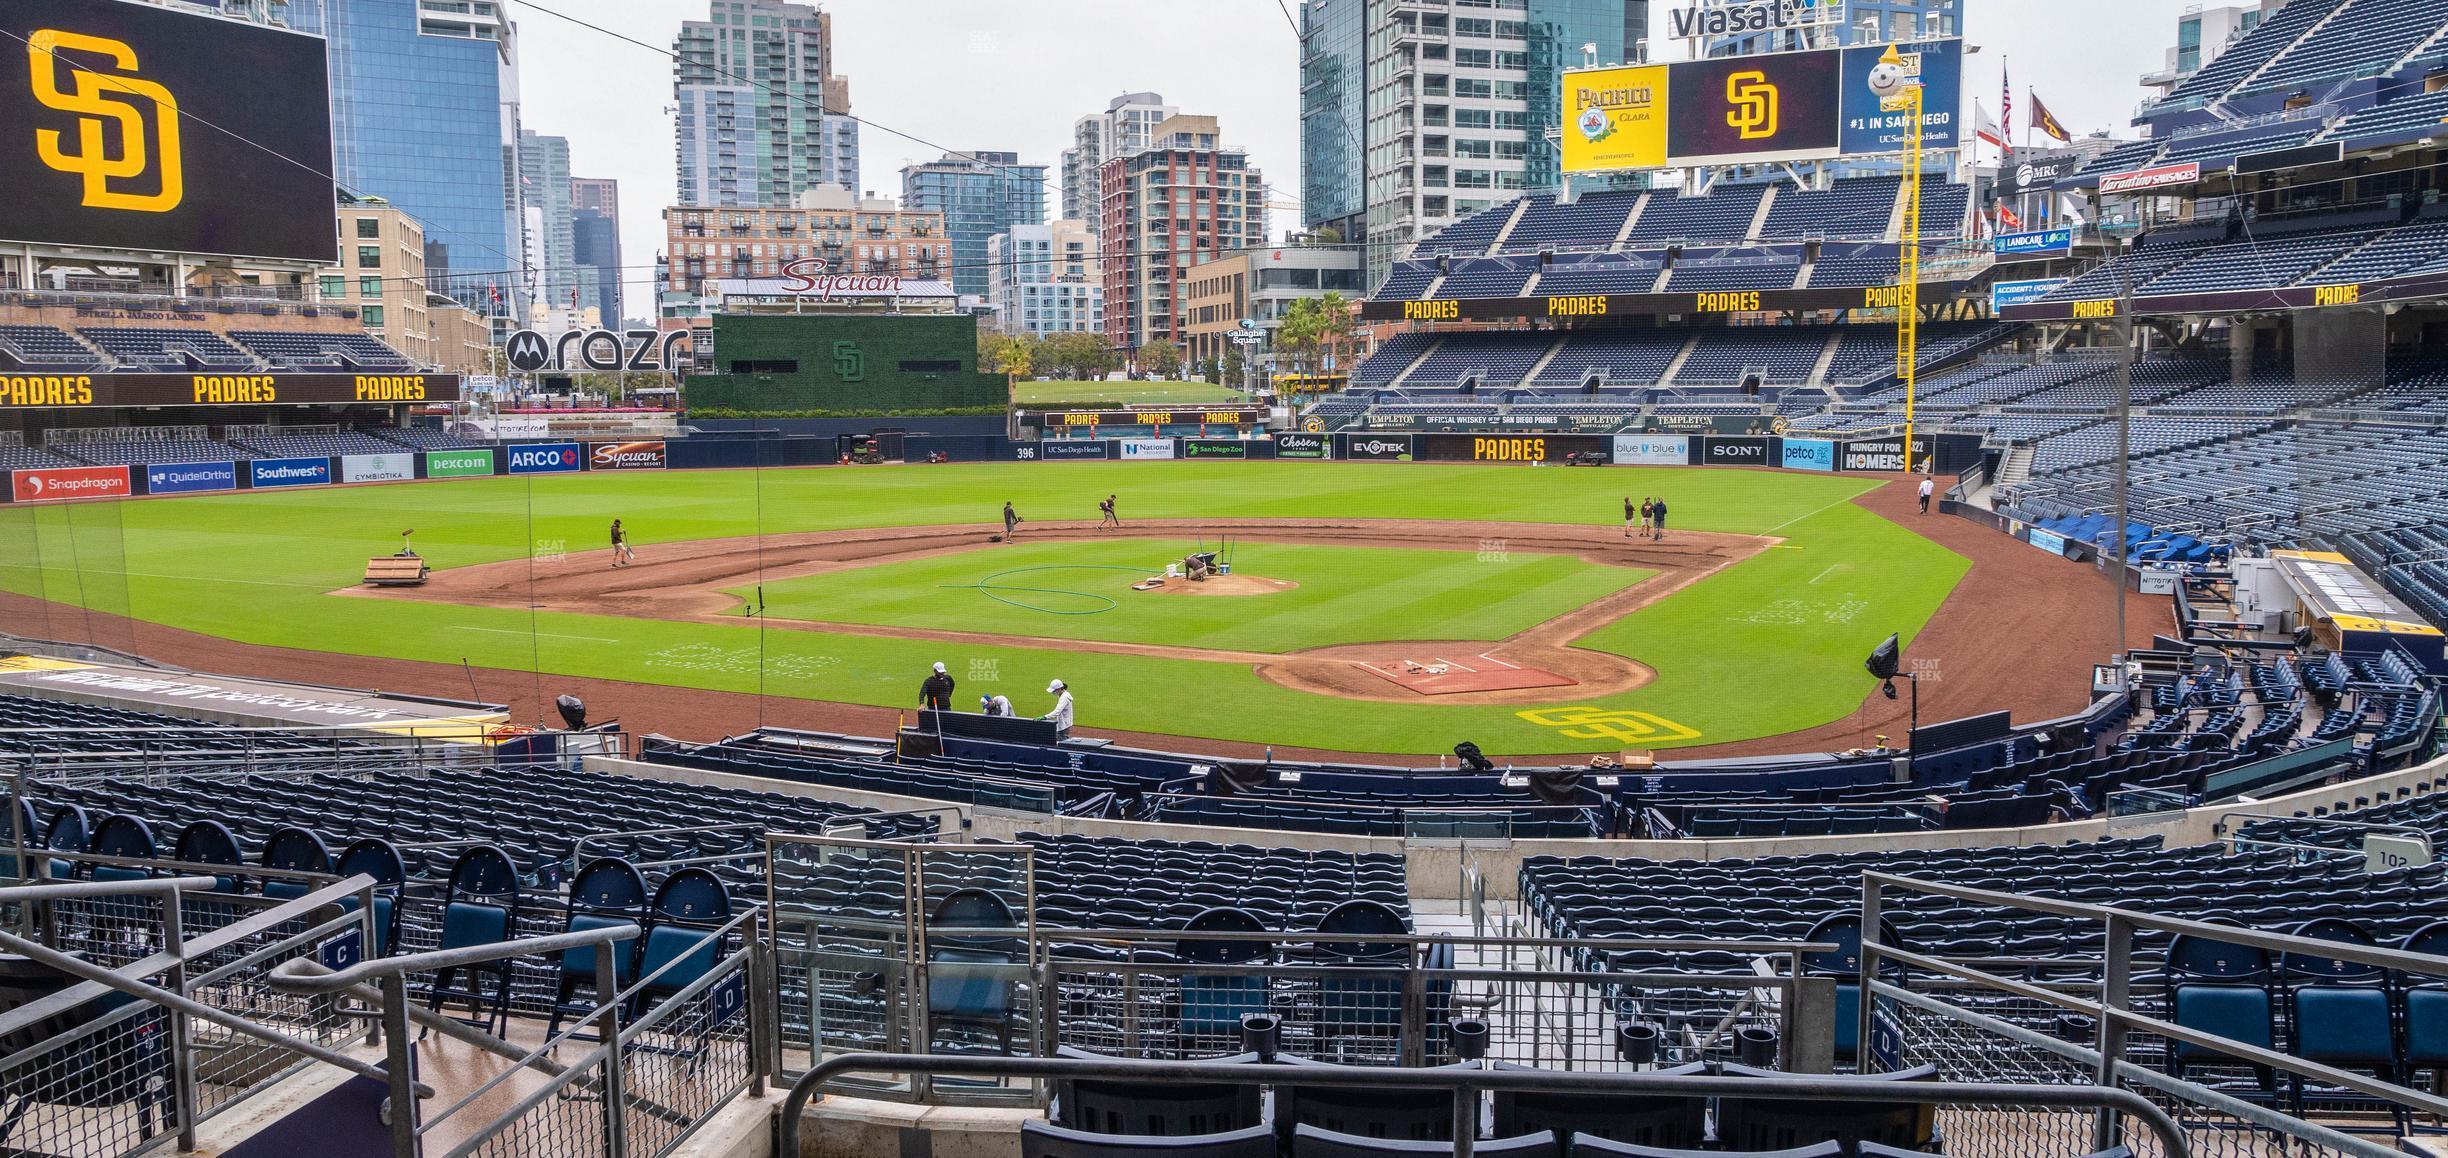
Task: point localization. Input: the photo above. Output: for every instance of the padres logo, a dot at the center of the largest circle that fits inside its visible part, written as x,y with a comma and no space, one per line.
1583,722
1754,114
111,142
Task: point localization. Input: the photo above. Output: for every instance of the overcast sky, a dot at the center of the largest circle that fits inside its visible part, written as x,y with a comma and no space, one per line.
993,74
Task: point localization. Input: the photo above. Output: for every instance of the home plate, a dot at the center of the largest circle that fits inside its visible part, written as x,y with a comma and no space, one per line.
1442,675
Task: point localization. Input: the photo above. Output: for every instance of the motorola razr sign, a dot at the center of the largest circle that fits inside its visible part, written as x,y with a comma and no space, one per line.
649,351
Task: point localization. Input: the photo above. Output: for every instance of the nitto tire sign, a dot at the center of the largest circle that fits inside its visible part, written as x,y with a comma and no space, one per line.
267,473
180,478
544,458
377,467
1289,444
625,456
1736,452
69,482
1378,447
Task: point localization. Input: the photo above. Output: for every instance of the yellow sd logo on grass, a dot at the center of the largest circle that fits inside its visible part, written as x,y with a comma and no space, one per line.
111,142
1583,722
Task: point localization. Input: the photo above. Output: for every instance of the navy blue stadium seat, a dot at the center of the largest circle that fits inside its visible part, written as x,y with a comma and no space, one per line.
1044,1140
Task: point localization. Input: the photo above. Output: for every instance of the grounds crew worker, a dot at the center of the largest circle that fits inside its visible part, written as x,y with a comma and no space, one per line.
1061,715
936,692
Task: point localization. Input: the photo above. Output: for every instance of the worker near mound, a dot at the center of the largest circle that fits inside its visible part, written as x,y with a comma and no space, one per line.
936,693
1061,715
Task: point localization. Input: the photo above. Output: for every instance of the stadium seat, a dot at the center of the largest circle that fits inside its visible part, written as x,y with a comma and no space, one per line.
1213,1004
1360,1111
478,904
681,943
975,996
297,850
1312,1142
1044,1140
1361,1003
211,842
1783,1124
2339,1012
1662,1121
607,892
377,858
1123,1106
2221,989
1597,1147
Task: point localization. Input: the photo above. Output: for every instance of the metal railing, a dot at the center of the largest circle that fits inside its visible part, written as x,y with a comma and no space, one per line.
1464,1084
1979,1025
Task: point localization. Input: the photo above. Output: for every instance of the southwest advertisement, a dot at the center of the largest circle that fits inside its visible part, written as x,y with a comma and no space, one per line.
69,482
378,467
544,458
458,463
265,473
187,477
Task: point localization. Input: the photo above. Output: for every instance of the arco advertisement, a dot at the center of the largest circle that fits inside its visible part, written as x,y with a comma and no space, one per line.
458,463
544,458
378,467
267,473
1652,450
180,478
625,456
69,482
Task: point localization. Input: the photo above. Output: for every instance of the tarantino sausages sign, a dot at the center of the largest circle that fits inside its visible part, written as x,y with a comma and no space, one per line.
97,391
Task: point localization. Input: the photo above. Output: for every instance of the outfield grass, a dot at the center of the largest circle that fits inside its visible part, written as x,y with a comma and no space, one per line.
1771,645
1029,392
1081,590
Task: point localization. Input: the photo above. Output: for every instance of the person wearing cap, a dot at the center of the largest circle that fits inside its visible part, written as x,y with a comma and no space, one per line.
936,693
1061,715
994,705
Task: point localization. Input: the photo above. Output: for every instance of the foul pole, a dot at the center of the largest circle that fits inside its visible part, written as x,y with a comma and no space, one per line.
1908,255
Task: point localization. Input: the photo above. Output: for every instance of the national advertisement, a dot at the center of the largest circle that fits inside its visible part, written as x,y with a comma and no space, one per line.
1377,447
2015,293
1214,448
179,478
1871,128
1736,451
69,482
544,458
2057,240
1145,447
1296,444
1073,448
266,473
458,463
377,467
1652,450
1809,454
626,455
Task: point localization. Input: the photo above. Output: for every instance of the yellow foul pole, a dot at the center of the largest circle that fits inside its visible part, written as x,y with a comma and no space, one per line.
1908,255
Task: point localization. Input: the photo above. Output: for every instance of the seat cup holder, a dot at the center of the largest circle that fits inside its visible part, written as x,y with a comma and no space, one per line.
1261,1034
1636,1042
1756,1046
1469,1036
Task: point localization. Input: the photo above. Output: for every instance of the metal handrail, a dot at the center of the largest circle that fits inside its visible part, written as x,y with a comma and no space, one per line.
290,978
1465,1081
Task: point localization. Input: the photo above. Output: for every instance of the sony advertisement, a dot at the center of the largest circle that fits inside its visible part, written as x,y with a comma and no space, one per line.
1717,450
134,126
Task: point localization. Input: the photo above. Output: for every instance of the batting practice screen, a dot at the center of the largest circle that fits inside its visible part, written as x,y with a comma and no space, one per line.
129,126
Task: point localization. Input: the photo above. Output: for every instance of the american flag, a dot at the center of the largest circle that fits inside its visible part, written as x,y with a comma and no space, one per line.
2006,105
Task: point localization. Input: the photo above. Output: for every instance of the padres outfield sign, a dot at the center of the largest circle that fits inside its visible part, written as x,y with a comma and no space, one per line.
100,391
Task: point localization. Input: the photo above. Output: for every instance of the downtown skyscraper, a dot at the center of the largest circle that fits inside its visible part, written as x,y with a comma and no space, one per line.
762,117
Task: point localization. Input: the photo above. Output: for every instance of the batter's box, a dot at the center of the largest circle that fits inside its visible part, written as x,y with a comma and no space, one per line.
1625,727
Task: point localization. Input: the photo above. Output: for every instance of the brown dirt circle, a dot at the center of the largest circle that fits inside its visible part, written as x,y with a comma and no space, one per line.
1233,584
687,581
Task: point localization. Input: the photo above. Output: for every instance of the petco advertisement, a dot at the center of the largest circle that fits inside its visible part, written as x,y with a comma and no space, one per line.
1652,449
377,467
1809,454
544,458
625,456
183,477
1734,451
290,472
1054,448
70,482
1145,447
1293,444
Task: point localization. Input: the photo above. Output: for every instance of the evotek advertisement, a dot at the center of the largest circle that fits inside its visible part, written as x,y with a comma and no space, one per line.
266,473
180,478
1652,449
458,463
133,126
1789,106
1293,444
544,458
69,482
625,456
1377,447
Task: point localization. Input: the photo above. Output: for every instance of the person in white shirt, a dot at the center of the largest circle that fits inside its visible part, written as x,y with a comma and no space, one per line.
1061,715
994,705
1927,485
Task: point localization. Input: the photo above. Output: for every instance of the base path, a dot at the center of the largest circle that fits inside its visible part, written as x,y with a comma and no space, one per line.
691,581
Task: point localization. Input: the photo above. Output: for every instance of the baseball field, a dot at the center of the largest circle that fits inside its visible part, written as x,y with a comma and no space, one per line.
1390,608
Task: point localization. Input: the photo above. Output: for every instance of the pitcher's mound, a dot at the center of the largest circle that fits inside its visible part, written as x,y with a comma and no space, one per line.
1234,584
